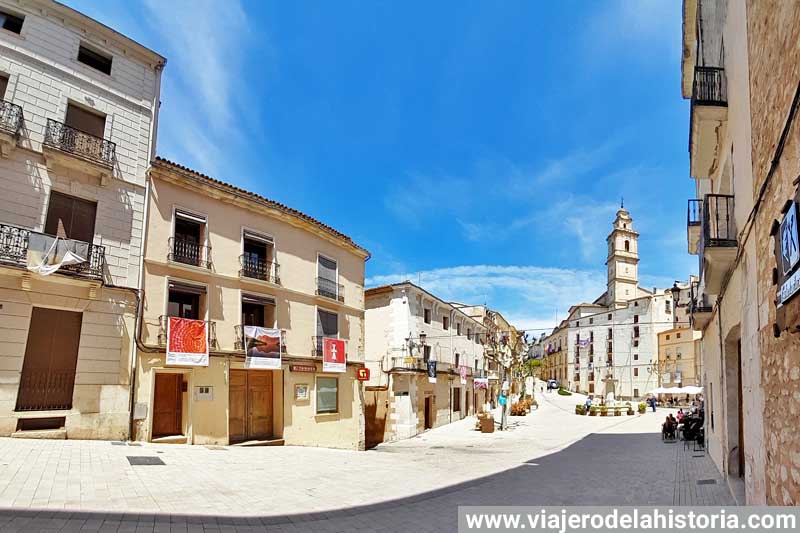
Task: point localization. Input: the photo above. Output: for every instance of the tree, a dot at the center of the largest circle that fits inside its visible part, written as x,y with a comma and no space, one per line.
531,367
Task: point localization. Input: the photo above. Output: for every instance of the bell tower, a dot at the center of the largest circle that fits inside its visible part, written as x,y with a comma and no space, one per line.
623,260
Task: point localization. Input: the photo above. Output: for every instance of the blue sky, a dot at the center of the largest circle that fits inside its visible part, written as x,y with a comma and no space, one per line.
479,147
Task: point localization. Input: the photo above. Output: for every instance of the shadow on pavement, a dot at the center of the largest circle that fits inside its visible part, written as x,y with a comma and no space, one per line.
600,469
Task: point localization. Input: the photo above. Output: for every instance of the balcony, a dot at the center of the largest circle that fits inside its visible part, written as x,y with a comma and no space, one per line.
718,243
408,363
10,123
259,269
694,222
330,289
212,332
79,150
239,345
189,252
701,310
14,243
709,115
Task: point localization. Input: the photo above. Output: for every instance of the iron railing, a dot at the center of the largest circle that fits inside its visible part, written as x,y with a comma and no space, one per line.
44,390
709,86
718,223
10,117
239,344
408,363
330,289
14,250
189,252
79,143
694,212
257,268
212,332
697,299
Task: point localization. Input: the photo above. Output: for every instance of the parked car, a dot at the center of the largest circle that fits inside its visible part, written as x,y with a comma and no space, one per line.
552,384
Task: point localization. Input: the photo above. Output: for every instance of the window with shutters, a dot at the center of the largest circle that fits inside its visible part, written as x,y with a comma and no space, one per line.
327,326
185,300
187,244
328,278
86,121
258,257
70,218
258,310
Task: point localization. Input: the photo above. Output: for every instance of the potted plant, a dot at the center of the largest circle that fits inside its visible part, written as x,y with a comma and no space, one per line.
603,410
628,408
593,410
579,409
617,411
642,408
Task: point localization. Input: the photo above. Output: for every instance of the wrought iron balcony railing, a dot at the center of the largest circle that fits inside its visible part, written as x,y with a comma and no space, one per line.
240,345
189,252
212,332
14,250
330,289
694,213
718,223
10,117
79,143
697,300
709,86
257,268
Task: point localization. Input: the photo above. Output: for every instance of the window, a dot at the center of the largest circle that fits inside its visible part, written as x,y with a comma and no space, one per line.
426,316
70,218
456,400
678,354
458,328
327,324
86,121
327,395
185,299
635,393
627,246
426,353
678,335
3,86
257,256
187,241
591,336
667,307
610,333
635,319
635,372
458,359
12,23
609,316
476,364
258,311
327,277
636,357
667,337
445,323
591,321
635,343
94,59
635,332
469,334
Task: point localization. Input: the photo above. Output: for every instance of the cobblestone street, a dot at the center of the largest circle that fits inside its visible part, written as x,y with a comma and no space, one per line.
550,457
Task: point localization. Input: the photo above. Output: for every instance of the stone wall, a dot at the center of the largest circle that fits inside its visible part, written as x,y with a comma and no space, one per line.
774,75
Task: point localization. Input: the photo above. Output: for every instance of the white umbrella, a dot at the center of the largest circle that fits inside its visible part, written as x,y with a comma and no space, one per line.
691,389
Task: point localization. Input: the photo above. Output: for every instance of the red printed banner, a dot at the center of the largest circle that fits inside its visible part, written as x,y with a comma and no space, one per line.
334,358
462,372
187,342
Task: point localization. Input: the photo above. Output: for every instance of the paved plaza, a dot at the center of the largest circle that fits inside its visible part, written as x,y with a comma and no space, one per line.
550,457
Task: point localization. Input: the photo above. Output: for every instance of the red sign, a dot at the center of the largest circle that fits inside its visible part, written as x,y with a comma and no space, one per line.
303,368
187,342
334,358
362,374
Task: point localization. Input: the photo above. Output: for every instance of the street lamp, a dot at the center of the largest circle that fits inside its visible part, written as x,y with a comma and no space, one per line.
676,294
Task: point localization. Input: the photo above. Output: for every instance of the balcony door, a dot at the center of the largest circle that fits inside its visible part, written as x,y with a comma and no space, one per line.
70,218
328,277
187,241
184,301
258,311
257,256
85,121
51,356
327,326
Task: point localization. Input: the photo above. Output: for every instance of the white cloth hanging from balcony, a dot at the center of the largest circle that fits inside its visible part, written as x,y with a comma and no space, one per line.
47,254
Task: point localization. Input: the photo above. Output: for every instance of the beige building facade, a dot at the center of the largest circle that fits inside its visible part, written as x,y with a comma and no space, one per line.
78,117
678,357
407,330
229,257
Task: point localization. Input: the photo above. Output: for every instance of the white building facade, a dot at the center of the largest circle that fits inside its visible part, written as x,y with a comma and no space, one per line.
77,131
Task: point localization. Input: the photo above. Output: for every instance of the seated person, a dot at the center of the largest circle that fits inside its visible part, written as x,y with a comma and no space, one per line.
668,428
680,416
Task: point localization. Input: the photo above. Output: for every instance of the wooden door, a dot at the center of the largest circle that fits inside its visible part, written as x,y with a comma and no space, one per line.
429,407
168,405
250,405
51,356
375,417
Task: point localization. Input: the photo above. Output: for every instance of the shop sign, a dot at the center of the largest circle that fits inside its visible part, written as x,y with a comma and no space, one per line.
187,342
334,358
303,368
263,347
787,251
362,374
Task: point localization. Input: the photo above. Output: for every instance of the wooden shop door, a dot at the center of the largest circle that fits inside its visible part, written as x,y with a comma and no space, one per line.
250,405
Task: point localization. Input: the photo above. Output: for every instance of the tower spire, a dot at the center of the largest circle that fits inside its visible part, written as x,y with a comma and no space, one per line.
622,202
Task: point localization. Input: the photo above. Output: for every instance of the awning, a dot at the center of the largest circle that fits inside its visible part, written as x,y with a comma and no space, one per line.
257,299
187,287
257,237
185,215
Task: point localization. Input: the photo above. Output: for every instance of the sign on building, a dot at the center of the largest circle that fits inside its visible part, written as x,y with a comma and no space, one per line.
431,371
334,358
786,275
263,347
187,342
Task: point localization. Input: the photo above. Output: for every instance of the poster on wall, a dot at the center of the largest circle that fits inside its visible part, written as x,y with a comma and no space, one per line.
431,371
462,373
187,342
334,358
481,383
263,347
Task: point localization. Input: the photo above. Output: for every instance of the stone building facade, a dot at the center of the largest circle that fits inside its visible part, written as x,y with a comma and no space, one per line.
743,146
78,116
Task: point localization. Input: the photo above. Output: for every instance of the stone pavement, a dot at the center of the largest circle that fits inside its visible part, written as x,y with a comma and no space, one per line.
551,457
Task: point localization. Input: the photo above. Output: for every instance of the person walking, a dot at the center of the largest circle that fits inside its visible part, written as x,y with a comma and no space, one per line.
653,403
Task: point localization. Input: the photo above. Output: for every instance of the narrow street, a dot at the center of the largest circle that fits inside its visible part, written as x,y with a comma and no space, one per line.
550,457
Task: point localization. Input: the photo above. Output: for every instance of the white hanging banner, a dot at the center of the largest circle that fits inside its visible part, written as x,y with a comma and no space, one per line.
263,347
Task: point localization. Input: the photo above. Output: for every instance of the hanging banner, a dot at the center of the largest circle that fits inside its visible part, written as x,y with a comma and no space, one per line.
481,383
431,371
334,358
263,347
462,372
187,342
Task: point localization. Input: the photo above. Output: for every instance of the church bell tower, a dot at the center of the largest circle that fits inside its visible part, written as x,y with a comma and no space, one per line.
623,260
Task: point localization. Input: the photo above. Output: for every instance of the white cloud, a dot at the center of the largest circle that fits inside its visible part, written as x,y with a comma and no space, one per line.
536,297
